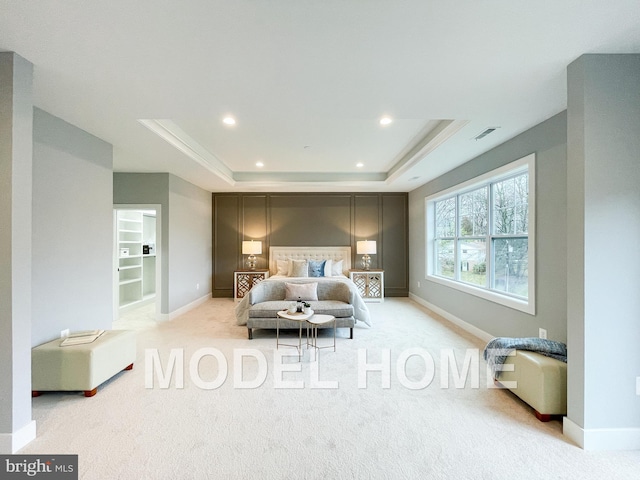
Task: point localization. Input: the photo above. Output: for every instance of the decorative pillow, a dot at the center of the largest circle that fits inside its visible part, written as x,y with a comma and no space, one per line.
299,268
327,267
290,260
303,291
316,268
283,267
336,269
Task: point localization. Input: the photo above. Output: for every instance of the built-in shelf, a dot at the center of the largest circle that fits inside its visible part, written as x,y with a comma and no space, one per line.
136,271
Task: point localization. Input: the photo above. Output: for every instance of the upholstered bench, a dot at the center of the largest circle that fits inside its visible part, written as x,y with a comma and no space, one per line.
265,315
81,367
540,381
267,299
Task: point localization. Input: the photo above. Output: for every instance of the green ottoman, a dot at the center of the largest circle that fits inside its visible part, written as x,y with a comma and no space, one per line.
81,367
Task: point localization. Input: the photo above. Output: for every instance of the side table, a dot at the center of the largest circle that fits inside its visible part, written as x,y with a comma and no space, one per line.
298,317
321,320
245,280
370,284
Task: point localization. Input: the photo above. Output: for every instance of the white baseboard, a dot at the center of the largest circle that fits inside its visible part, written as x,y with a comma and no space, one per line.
10,443
601,438
165,317
588,439
472,329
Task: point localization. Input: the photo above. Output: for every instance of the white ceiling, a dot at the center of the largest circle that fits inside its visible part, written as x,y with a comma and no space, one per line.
303,73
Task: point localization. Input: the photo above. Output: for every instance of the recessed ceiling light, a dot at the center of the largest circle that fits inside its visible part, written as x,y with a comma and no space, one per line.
259,164
229,121
385,120
359,164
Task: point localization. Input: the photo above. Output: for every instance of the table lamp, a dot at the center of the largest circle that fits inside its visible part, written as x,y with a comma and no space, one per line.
251,247
366,248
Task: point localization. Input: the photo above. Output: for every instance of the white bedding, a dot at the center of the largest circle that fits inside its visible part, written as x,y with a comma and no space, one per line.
309,279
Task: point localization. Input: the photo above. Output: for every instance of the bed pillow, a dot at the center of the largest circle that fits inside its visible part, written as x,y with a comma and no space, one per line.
316,268
327,267
303,291
299,268
282,267
336,269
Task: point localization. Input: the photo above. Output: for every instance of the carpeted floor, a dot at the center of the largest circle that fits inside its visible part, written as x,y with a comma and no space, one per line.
275,431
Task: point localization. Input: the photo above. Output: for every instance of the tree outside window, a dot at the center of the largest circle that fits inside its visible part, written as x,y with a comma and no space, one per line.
481,236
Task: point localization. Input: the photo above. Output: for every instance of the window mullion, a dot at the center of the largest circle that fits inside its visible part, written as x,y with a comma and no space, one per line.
456,242
490,229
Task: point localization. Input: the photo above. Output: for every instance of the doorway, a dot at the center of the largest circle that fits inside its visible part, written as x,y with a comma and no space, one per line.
136,260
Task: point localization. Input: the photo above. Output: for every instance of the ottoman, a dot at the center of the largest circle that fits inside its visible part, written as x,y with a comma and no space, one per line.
81,367
541,382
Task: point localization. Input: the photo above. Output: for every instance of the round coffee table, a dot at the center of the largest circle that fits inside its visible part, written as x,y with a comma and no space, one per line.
314,322
298,317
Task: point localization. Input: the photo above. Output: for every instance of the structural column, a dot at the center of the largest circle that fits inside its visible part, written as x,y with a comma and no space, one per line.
603,258
16,144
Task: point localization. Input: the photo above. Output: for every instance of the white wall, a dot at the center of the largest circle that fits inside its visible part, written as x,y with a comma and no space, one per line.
72,229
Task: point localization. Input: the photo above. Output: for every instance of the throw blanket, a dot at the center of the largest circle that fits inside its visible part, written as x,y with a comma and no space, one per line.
498,349
270,289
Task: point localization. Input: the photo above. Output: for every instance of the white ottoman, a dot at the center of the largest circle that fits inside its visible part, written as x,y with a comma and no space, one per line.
81,367
541,382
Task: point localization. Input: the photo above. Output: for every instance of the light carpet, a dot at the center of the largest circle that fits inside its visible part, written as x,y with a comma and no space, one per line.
130,432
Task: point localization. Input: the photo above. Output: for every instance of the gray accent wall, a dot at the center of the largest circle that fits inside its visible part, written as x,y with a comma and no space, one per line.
186,241
72,229
311,219
548,141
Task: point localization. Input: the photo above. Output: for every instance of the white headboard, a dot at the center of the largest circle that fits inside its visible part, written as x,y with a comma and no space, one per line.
309,253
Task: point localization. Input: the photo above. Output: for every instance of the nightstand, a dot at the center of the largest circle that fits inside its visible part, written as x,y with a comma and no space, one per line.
370,284
244,280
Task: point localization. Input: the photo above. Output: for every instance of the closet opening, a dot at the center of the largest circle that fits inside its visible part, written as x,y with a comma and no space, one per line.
137,260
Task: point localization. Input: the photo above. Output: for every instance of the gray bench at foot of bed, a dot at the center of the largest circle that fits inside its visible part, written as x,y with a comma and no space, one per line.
264,315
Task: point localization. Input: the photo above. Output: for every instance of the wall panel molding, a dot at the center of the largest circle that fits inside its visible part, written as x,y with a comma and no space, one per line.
311,219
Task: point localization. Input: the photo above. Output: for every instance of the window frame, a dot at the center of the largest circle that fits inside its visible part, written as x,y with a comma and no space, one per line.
510,170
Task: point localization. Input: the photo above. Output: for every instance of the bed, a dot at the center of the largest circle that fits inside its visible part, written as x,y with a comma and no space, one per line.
289,269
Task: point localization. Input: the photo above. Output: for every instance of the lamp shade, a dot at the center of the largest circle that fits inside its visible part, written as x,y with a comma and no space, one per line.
251,247
366,247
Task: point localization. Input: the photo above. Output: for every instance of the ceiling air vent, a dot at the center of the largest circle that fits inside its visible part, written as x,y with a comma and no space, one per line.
485,133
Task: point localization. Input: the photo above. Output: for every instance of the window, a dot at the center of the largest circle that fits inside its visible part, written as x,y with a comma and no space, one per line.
480,236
